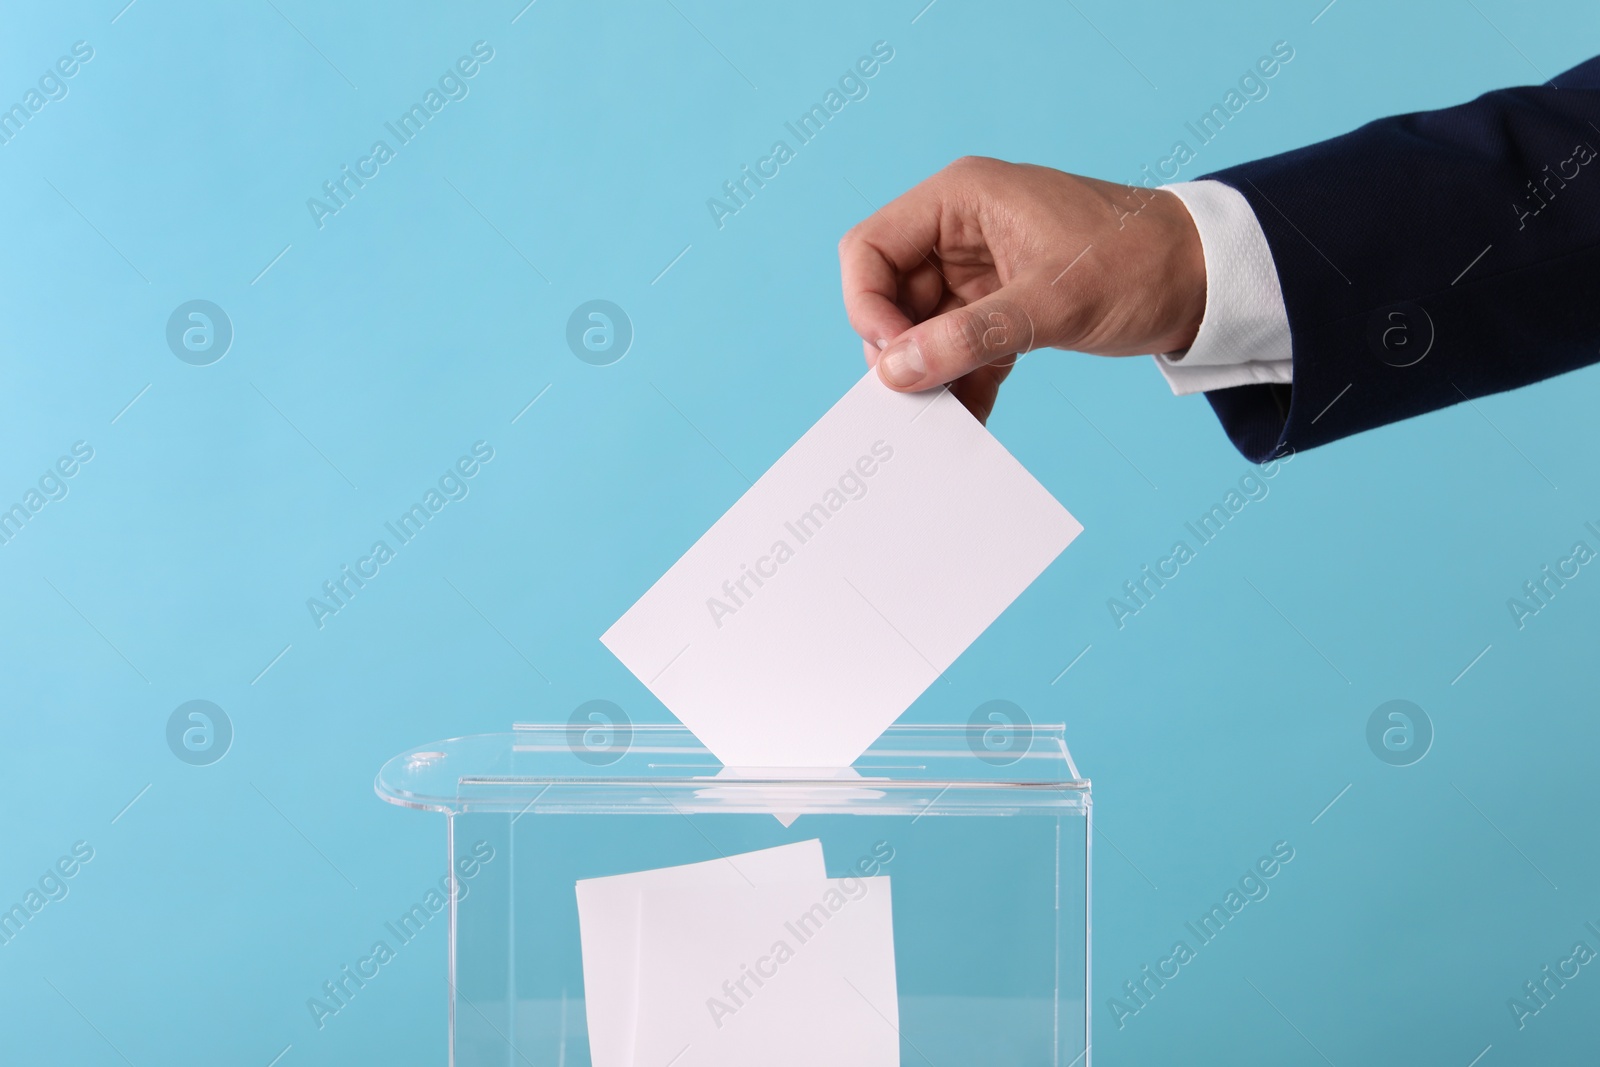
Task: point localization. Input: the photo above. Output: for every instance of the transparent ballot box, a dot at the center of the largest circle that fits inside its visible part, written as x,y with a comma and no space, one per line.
986,849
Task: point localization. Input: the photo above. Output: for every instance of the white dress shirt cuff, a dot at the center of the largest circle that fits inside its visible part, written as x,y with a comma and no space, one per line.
1244,334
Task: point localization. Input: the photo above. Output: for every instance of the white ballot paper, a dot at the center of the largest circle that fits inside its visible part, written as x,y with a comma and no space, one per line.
783,975
609,928
844,581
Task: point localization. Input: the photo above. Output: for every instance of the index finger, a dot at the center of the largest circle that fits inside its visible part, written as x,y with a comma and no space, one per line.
877,254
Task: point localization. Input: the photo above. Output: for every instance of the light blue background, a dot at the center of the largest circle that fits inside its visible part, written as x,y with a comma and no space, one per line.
179,565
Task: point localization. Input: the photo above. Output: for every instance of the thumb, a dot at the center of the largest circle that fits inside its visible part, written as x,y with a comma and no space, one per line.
948,346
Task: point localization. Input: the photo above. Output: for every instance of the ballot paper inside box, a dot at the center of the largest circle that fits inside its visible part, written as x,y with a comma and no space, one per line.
976,861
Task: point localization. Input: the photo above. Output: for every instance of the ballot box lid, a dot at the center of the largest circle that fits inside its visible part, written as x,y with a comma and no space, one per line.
599,766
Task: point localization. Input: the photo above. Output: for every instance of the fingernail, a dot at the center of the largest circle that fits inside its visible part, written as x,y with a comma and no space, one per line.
903,365
882,343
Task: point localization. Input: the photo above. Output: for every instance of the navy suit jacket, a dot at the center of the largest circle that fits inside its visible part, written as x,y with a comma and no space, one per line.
1426,259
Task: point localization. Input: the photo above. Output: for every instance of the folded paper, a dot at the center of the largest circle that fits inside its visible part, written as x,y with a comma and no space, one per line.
783,975
843,582
609,928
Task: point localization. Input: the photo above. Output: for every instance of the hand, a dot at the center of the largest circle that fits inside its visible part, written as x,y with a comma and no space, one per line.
989,259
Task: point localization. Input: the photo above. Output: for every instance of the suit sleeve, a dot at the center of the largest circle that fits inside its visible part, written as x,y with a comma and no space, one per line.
1426,259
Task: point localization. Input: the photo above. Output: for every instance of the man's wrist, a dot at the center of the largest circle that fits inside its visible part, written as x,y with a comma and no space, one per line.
1186,273
1244,333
